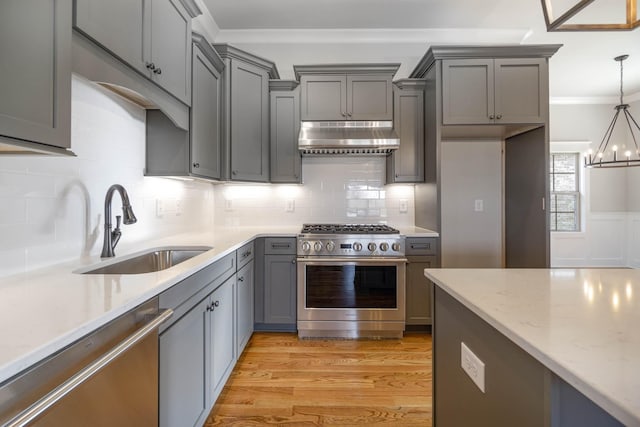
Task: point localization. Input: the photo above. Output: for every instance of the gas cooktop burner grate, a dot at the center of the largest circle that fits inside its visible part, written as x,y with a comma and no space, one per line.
348,229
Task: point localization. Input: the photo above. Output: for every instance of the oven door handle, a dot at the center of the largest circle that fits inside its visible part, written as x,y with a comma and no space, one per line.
376,260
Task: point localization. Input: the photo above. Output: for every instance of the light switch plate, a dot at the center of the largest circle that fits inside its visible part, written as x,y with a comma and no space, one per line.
291,205
404,205
472,365
479,205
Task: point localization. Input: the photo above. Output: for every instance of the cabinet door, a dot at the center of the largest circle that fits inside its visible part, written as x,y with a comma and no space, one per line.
406,164
285,127
323,97
35,82
520,88
369,97
249,123
221,350
244,302
467,91
170,47
116,25
205,118
182,369
280,289
419,290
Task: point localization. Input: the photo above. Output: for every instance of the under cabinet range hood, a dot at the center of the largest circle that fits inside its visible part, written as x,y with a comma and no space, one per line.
347,137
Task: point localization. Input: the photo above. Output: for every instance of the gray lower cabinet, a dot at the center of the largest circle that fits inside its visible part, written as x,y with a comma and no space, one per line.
284,110
152,36
406,164
220,336
244,302
421,253
276,284
246,114
206,114
346,92
494,91
35,106
182,369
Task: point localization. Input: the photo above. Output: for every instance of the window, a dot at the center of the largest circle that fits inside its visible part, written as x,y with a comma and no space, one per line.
565,195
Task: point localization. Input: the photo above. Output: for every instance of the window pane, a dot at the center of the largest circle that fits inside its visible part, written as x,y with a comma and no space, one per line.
565,202
564,162
564,182
552,221
566,222
552,207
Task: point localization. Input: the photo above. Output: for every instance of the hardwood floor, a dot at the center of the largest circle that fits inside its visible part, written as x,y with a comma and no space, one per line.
281,380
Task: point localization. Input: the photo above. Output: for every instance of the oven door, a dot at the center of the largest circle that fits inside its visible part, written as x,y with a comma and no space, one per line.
343,289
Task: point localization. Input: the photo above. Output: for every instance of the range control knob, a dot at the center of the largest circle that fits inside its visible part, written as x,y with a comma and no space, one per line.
330,246
357,247
384,247
395,247
306,246
317,246
371,246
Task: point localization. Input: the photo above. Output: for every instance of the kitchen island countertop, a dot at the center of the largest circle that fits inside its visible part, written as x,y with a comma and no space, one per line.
582,324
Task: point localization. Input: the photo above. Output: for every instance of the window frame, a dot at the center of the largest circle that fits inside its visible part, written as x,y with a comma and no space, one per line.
577,194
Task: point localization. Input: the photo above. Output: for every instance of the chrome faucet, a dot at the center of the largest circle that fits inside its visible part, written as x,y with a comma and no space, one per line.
111,238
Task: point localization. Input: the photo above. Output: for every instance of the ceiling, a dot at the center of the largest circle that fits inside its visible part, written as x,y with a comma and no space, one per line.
322,31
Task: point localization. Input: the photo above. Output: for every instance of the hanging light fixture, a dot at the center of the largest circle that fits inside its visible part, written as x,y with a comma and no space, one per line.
578,16
605,159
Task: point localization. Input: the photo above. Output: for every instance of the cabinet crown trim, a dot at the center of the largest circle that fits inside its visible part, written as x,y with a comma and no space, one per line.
379,68
283,85
192,7
476,52
208,50
419,84
227,51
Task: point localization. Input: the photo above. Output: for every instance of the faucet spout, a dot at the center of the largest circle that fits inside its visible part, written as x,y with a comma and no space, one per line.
111,237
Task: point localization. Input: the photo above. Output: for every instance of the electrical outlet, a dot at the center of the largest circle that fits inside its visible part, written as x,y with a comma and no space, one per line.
159,208
404,206
228,205
291,205
178,207
472,365
479,205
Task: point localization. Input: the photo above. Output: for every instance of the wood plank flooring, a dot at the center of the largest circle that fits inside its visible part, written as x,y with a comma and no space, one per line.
281,380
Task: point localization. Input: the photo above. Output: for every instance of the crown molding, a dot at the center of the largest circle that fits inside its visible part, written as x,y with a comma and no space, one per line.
227,51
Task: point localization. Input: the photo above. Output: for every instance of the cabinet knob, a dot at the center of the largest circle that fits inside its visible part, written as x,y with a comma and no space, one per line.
499,116
241,279
349,114
157,71
234,172
216,304
491,117
343,114
196,165
151,66
293,261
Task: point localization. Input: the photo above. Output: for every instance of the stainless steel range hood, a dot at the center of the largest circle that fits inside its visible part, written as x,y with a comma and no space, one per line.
347,137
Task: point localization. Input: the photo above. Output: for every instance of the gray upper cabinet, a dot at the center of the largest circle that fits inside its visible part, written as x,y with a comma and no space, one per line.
285,162
406,164
246,114
206,118
35,105
346,92
152,36
488,91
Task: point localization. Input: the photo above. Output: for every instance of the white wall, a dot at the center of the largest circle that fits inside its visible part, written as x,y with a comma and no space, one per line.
51,208
471,171
335,189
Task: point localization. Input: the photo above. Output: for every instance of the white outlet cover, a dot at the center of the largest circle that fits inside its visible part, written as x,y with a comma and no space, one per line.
479,205
178,207
159,207
291,205
404,205
472,365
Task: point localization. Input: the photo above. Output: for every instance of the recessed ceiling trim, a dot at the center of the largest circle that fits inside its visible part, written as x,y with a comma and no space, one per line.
375,35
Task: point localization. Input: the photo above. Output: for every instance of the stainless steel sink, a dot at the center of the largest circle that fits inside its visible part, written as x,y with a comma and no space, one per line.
154,260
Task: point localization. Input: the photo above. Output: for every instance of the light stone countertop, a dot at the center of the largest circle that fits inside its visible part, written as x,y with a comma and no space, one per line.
582,324
45,310
417,232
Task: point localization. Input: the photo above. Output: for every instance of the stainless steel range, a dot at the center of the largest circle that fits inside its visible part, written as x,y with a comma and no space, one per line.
351,281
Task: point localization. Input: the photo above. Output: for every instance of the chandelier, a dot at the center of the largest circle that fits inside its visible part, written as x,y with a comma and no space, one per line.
605,159
579,17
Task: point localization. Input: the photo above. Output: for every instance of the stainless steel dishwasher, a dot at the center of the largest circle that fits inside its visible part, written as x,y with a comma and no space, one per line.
108,378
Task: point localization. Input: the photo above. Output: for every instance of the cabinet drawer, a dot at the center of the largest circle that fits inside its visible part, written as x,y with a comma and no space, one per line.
280,246
215,273
245,254
420,246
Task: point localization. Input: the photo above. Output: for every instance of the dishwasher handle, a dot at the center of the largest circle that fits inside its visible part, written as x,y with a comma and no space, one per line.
35,410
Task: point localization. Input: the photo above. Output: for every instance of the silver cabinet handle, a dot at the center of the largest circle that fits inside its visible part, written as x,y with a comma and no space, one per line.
151,66
68,386
293,261
196,165
241,279
157,71
499,116
491,117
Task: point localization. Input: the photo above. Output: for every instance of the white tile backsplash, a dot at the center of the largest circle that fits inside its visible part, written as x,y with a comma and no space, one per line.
335,189
52,207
